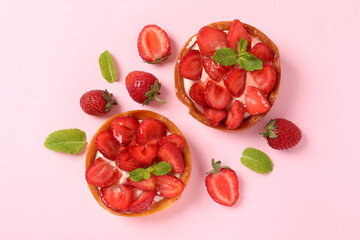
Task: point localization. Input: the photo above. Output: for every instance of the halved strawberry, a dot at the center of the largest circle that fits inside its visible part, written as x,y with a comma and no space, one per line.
265,78
210,39
142,202
143,154
150,130
168,186
174,138
215,70
262,51
125,161
235,115
145,184
190,65
117,197
235,81
255,101
236,32
101,173
197,93
107,144
216,96
153,44
124,128
171,153
215,116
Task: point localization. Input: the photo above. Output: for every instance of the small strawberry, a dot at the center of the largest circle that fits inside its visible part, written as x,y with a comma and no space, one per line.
197,93
143,154
101,173
190,65
235,81
143,87
171,153
117,197
107,144
216,96
153,44
222,184
214,116
237,31
235,115
265,78
125,161
96,102
150,130
124,128
173,138
262,51
168,186
215,70
255,101
142,202
210,39
282,134
145,184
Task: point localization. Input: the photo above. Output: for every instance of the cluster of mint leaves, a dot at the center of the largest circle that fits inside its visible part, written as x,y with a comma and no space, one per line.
161,168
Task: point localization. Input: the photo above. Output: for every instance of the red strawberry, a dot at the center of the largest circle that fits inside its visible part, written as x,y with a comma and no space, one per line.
197,93
168,186
215,116
143,87
145,184
101,173
150,130
107,144
210,39
153,44
255,101
235,115
282,134
125,161
215,70
143,154
174,138
171,153
262,51
237,31
117,197
124,128
235,81
265,78
142,202
222,184
190,65
96,102
216,96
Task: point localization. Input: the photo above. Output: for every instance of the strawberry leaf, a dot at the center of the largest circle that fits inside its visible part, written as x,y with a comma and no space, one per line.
67,140
107,67
256,161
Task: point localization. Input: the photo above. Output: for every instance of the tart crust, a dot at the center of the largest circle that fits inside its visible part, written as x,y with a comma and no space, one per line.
184,177
198,115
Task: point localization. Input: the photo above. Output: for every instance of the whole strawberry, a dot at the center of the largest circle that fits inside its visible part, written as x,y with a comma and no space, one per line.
96,102
282,134
143,87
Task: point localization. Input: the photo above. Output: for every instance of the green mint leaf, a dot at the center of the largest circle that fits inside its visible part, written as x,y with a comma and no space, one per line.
107,67
249,62
66,140
225,56
242,46
162,168
139,174
256,160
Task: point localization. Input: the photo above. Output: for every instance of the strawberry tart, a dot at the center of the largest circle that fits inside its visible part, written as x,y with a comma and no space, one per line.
228,75
138,163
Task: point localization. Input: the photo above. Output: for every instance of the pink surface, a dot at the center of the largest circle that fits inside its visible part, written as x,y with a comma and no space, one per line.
49,58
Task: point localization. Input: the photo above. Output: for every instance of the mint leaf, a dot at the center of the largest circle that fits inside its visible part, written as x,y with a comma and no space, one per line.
256,160
242,46
107,67
249,62
139,174
66,140
162,168
225,56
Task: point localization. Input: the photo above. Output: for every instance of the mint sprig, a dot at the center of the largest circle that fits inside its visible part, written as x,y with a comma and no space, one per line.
256,161
107,67
161,168
66,140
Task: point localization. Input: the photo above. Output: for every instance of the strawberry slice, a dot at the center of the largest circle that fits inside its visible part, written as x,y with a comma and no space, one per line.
124,128
235,81
215,70
197,93
265,78
150,130
117,197
168,186
262,51
171,153
142,202
125,162
235,115
210,39
174,138
153,44
146,184
237,31
107,145
190,65
216,96
101,173
215,116
143,154
255,101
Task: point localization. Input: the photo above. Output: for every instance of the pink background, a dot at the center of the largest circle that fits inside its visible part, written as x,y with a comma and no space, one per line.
49,58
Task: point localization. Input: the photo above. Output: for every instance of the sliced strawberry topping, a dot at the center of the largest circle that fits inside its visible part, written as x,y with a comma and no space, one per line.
210,39
124,128
142,202
168,186
101,173
107,144
235,115
216,96
125,161
215,70
171,153
174,138
215,116
190,65
235,81
143,154
237,31
262,51
117,197
197,93
255,101
265,78
145,184
150,130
